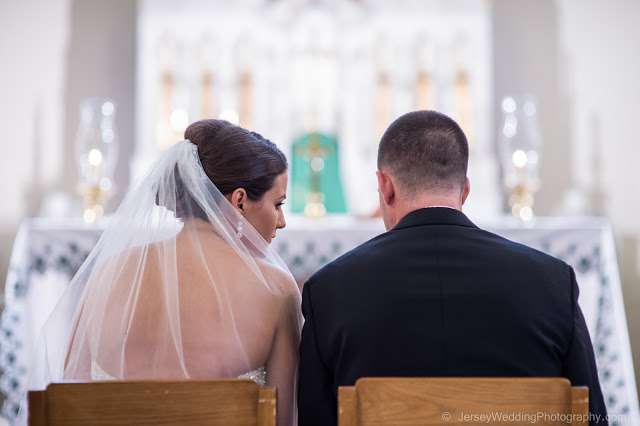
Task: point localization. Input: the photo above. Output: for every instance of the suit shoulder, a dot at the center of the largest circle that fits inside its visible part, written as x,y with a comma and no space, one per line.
348,261
528,253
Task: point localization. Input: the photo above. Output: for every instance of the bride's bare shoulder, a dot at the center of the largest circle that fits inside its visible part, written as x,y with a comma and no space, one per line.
279,276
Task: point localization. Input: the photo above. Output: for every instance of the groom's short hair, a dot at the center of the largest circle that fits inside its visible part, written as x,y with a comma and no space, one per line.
425,150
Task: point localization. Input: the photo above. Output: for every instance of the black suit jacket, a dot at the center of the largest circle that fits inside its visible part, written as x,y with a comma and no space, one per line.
437,296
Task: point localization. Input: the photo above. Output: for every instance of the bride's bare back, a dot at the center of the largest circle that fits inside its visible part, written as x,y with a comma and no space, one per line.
219,321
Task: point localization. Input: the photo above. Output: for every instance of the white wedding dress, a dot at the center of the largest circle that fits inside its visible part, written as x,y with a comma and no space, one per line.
258,375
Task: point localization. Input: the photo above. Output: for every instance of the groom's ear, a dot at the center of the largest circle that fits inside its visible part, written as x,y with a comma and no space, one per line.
386,187
466,188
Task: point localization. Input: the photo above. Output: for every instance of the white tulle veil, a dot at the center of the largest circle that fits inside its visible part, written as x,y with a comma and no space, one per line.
179,286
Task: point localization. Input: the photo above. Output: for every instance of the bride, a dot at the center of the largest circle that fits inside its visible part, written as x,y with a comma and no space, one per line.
183,284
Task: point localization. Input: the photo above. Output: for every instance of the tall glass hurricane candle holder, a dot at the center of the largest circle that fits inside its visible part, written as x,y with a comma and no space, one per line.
96,155
520,150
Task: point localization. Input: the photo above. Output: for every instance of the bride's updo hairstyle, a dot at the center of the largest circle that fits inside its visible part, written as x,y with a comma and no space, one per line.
232,158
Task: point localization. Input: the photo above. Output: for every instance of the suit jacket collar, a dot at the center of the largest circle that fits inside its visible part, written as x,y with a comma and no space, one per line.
434,216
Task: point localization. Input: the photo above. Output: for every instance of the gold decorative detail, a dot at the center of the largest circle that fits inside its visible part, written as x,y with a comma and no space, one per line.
464,106
207,100
93,197
424,87
167,88
245,94
521,200
383,103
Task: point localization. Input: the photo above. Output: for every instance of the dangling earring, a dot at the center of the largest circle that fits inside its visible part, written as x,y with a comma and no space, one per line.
239,231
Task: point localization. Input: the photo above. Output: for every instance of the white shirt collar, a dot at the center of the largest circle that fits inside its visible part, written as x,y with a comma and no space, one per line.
442,207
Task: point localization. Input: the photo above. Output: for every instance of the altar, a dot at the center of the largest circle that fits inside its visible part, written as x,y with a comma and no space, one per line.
322,80
47,253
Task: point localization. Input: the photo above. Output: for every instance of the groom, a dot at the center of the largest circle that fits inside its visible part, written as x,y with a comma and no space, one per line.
436,295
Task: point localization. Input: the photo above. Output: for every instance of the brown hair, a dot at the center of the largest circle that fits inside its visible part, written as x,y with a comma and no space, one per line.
233,157
425,150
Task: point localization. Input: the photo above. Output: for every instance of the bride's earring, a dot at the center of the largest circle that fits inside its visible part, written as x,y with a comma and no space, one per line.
239,231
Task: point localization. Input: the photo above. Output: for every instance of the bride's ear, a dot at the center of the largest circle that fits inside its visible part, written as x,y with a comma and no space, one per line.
238,199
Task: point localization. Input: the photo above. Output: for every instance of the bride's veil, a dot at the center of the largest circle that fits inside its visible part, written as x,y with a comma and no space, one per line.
179,286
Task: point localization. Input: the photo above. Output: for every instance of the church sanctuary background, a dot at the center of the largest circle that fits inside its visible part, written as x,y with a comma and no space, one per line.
547,92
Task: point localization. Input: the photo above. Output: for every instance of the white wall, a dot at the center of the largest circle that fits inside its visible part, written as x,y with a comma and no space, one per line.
601,43
601,40
33,51
32,48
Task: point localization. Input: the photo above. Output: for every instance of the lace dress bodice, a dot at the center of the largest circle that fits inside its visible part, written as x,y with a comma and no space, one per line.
259,375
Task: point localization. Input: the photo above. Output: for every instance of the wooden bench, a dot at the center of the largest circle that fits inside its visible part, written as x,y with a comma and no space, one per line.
219,402
462,401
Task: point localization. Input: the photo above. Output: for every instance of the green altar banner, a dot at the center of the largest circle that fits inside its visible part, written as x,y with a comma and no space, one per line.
315,175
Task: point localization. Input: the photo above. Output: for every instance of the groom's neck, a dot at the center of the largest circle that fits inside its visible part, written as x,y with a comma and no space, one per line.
414,202
411,204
